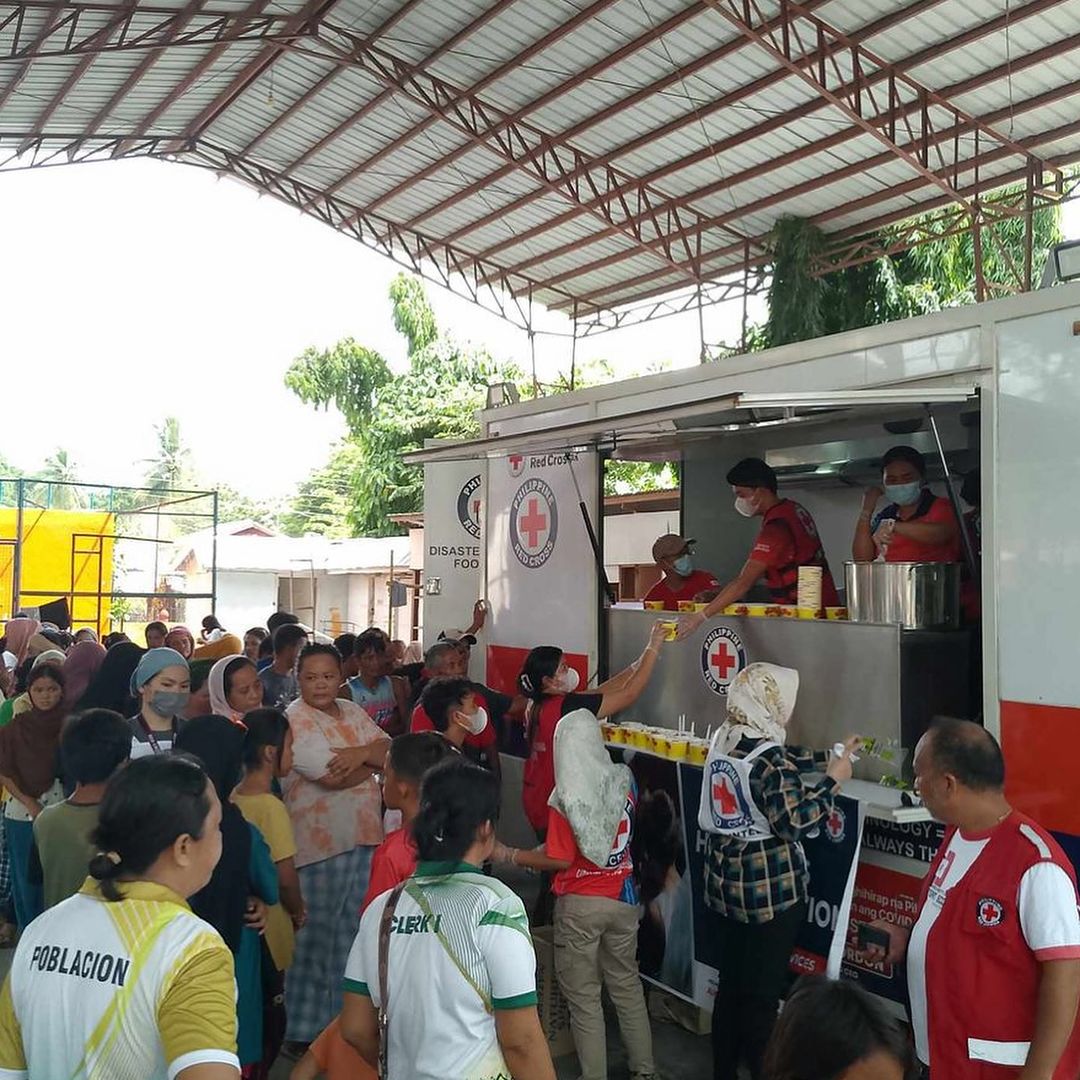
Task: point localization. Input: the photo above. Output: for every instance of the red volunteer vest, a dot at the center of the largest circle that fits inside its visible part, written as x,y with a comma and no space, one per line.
783,581
982,980
538,776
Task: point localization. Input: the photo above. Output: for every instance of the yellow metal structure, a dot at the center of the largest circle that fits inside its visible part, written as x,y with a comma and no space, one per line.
60,553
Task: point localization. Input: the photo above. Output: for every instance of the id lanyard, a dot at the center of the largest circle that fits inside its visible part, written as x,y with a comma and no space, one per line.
151,737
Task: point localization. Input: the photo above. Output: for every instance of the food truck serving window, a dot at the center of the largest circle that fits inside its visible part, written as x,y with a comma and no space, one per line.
672,426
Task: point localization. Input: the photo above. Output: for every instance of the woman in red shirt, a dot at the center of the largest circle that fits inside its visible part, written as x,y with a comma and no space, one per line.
916,525
591,824
549,684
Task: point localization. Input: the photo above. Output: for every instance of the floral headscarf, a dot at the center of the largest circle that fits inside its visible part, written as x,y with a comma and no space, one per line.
761,699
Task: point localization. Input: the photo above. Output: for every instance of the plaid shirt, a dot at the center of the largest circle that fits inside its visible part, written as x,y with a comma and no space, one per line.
754,881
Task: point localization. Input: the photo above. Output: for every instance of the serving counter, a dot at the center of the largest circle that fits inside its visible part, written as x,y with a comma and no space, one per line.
855,678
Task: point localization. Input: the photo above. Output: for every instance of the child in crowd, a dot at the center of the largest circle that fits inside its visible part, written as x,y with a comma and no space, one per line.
280,688
457,710
382,697
29,770
93,745
267,755
410,758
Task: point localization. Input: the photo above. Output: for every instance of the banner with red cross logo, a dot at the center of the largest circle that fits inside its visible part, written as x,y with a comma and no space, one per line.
534,523
723,656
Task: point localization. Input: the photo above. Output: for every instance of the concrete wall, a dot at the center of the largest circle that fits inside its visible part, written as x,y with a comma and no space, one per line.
245,599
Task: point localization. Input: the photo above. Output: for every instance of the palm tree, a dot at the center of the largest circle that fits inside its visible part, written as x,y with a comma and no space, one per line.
168,469
60,467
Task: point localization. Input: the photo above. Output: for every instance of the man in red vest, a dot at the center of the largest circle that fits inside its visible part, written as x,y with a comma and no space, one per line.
993,959
788,539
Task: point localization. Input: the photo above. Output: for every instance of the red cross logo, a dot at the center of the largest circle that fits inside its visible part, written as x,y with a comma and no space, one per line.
533,525
990,912
835,825
722,660
517,464
724,797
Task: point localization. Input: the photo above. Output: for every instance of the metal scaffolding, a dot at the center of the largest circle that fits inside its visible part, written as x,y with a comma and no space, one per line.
133,516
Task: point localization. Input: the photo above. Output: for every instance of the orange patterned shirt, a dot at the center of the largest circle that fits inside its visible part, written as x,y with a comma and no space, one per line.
328,822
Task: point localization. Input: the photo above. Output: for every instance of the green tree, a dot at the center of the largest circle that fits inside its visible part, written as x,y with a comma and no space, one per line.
324,501
169,467
59,467
388,414
929,277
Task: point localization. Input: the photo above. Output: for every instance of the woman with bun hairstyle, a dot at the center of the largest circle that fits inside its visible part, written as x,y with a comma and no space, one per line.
121,979
461,998
550,684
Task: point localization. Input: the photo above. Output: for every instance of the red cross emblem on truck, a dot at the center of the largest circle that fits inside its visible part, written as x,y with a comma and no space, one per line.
534,523
723,656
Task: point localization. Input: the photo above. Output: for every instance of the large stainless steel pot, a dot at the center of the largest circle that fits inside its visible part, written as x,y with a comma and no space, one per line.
918,596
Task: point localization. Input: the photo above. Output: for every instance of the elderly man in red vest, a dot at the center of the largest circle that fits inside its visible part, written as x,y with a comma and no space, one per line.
787,539
993,959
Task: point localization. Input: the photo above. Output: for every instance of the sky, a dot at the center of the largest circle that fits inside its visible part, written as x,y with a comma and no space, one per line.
135,290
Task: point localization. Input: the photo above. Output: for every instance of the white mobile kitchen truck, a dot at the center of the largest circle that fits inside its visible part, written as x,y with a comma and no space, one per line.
995,386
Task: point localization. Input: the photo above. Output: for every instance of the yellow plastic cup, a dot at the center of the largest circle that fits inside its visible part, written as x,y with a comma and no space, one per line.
678,747
671,629
641,739
654,605
698,752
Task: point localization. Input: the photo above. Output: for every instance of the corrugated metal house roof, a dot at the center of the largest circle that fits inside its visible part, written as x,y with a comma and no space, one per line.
581,155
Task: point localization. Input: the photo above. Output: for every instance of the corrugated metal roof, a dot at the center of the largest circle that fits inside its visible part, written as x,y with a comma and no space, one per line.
567,151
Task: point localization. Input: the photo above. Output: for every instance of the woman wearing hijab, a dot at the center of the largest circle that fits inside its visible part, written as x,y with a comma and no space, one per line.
181,639
110,688
17,635
82,664
162,683
245,870
235,688
589,832
20,702
756,874
29,769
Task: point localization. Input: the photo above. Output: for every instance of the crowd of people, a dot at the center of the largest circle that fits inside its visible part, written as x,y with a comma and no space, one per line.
216,850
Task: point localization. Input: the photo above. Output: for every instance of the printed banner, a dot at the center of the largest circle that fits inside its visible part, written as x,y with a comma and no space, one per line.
677,949
541,572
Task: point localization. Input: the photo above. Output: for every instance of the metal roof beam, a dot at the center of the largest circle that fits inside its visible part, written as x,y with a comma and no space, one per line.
249,14
635,45
130,27
442,263
298,24
841,78
698,115
319,85
54,16
977,161
767,124
183,17
562,169
385,95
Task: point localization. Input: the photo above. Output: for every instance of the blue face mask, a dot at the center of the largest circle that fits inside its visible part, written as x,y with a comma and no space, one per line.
684,566
903,494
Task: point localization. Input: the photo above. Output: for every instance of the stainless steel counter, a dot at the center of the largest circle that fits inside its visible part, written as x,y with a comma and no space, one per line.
854,678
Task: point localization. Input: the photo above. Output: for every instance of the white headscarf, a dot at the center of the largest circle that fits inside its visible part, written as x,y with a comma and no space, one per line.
590,789
761,699
49,656
215,682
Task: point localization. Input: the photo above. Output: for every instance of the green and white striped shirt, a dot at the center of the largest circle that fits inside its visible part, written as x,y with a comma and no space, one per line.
459,950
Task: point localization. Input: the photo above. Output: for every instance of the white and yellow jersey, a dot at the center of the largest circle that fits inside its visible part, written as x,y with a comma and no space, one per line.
138,989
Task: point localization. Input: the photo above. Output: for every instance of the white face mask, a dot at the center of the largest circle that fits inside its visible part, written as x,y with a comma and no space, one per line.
474,723
745,506
569,682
